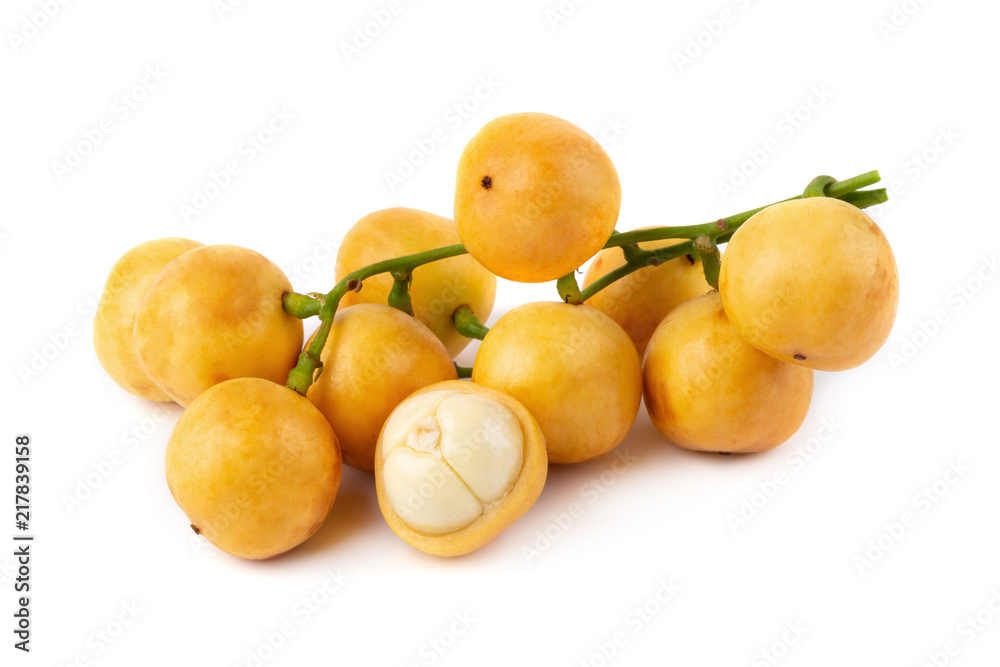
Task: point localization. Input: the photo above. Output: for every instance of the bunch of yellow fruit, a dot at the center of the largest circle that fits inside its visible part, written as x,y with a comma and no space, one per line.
722,348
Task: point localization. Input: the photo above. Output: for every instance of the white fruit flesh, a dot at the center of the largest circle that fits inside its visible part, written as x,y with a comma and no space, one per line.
447,457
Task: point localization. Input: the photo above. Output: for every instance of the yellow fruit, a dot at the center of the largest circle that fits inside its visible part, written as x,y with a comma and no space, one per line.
215,314
640,300
709,390
254,466
374,357
438,288
130,277
573,368
456,464
535,197
811,282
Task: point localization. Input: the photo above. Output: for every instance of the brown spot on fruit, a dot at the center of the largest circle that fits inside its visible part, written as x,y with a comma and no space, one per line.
487,182
197,531
800,357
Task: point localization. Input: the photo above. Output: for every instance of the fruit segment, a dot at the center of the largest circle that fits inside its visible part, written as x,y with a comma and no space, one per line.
448,455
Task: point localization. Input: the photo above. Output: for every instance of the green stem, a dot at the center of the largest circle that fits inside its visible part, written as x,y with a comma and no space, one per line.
638,261
711,261
463,371
399,295
817,186
569,289
721,230
303,375
301,306
468,324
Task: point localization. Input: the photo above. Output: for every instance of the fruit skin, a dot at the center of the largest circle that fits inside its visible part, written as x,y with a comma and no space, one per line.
215,314
127,283
640,300
500,515
573,368
437,289
374,357
812,278
254,466
707,389
552,200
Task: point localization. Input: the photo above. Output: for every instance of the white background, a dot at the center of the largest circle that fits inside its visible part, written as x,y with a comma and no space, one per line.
916,100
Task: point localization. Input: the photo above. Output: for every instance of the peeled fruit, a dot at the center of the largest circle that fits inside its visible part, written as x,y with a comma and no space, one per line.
640,300
254,466
437,289
215,314
811,282
707,389
456,464
573,368
375,356
130,277
535,197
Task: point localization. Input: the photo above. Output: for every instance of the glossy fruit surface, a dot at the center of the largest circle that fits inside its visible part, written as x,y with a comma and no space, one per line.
456,464
811,282
375,356
573,368
437,289
709,390
215,314
254,466
640,300
127,283
535,197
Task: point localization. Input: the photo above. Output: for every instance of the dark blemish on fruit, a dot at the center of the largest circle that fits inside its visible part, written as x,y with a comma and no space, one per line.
487,182
800,357
195,529
690,259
